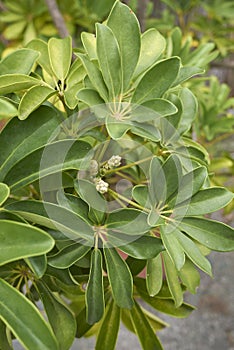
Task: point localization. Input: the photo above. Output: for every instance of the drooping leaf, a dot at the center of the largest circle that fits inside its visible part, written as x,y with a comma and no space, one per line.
60,317
95,290
120,278
32,332
154,275
108,332
189,276
126,30
60,53
4,192
173,247
20,240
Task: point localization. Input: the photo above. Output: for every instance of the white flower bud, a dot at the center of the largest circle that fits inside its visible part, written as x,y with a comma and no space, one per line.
93,169
114,162
101,186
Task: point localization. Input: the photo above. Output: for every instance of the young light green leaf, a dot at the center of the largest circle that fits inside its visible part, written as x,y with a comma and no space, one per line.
89,43
33,98
7,108
212,234
157,80
67,256
41,47
173,247
109,59
4,193
120,278
95,291
172,280
154,275
32,332
90,97
20,61
60,317
15,82
189,276
60,53
109,329
126,30
20,240
143,329
152,46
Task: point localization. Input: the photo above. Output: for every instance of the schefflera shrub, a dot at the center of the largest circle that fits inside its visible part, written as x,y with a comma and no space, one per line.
105,208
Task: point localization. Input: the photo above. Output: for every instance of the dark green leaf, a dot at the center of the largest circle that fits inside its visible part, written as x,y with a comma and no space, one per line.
68,256
4,193
154,275
37,264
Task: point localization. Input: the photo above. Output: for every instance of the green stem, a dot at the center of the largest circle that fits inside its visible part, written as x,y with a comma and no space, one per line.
128,165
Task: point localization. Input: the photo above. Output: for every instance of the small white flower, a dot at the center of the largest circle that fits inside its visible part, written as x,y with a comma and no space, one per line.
101,186
114,162
93,169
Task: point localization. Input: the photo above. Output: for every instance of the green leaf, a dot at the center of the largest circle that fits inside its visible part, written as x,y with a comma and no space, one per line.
173,247
172,169
125,27
60,54
20,240
15,82
20,61
157,80
143,329
90,97
172,280
156,108
89,43
109,329
7,108
4,193
156,323
4,344
67,256
38,265
154,275
54,217
120,278
33,98
95,76
194,253
42,47
212,234
186,73
55,158
189,276
190,108
19,139
95,290
60,317
152,46
206,201
109,59
32,332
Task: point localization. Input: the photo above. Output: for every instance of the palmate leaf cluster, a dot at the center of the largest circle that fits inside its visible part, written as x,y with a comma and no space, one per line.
92,256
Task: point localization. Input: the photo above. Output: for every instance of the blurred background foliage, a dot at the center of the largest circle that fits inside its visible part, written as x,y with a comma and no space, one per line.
198,31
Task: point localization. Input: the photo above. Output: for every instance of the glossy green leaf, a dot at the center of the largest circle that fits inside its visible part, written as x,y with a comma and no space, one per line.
120,278
87,191
156,108
4,343
189,276
54,217
60,53
109,59
173,247
19,139
186,73
7,108
67,256
172,280
157,80
38,265
32,332
60,317
144,331
20,240
15,82
212,234
172,169
4,192
89,43
154,275
152,46
42,47
90,97
206,201
190,108
126,30
193,252
33,98
20,61
141,195
109,329
95,76
55,158
95,289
